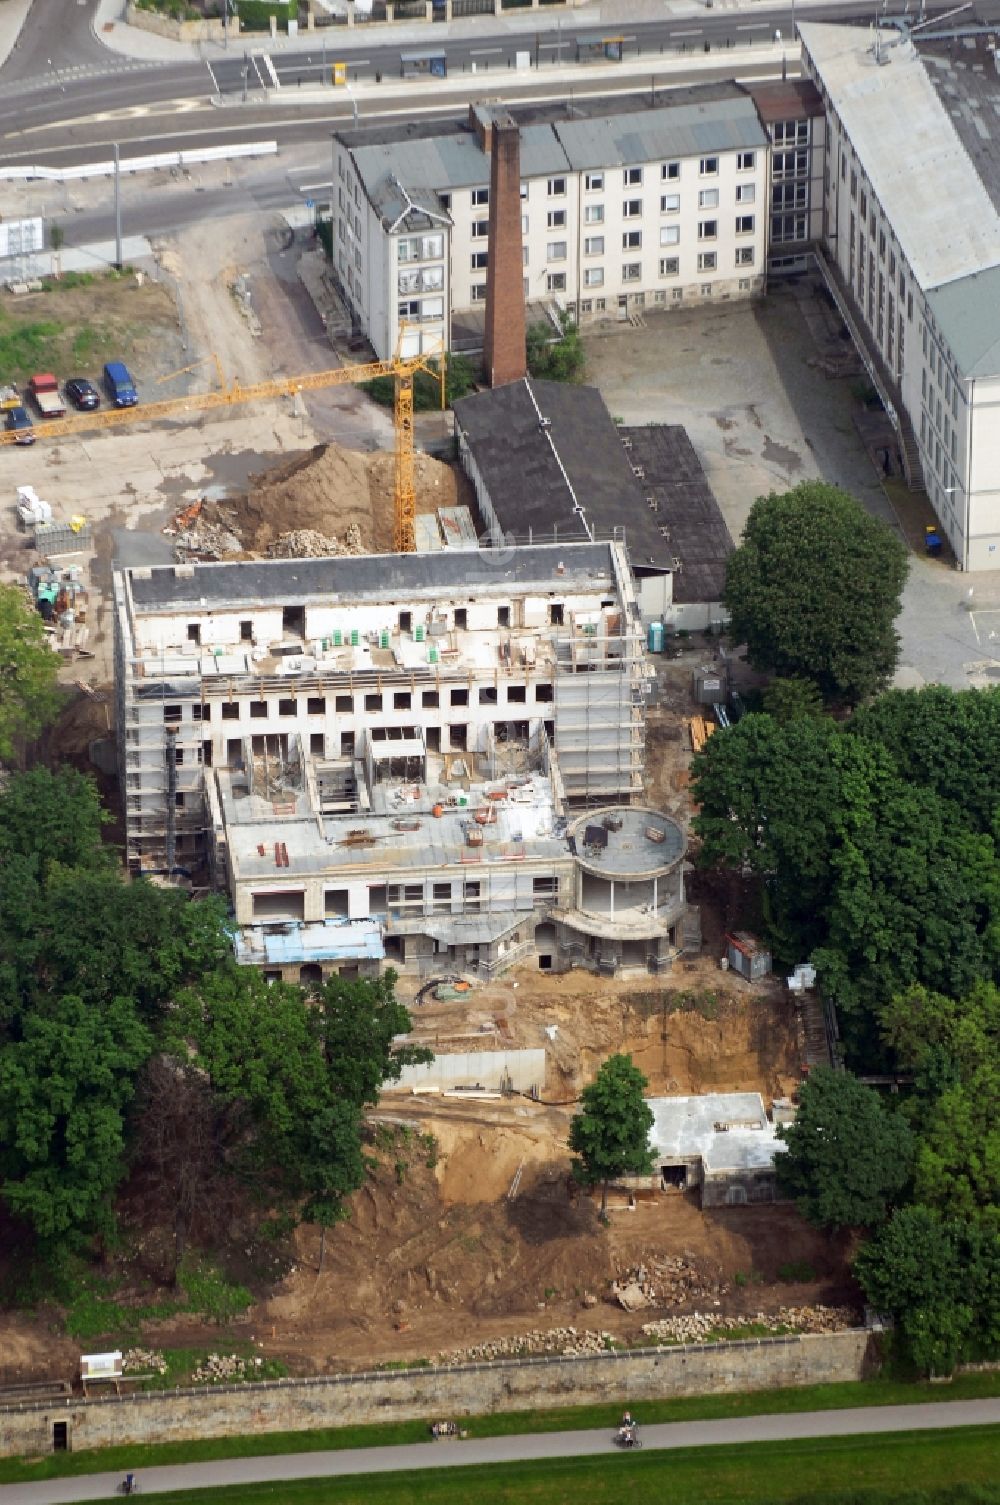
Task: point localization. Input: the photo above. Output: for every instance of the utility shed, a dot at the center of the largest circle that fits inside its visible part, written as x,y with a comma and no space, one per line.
721,1144
747,955
548,463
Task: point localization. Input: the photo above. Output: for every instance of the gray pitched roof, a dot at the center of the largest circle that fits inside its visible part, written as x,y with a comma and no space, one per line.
659,135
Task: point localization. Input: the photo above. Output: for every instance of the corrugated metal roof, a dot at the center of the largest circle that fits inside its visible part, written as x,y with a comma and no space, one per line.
660,135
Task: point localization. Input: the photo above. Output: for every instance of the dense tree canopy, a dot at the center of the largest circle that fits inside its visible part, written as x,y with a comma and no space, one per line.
847,1158
29,695
814,589
610,1134
913,1271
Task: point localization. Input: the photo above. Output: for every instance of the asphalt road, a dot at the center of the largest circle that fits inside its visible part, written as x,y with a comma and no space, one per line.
499,1450
60,73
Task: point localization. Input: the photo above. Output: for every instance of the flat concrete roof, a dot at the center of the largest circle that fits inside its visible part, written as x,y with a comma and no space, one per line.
727,1131
628,851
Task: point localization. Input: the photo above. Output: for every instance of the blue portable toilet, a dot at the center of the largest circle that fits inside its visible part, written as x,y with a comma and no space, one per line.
654,637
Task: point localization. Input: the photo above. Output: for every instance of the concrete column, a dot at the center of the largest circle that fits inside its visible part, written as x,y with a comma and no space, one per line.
497,8
448,10
654,896
429,10
612,898
274,27
311,20
350,13
390,14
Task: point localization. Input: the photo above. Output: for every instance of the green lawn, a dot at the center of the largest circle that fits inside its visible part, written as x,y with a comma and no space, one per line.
851,1470
754,1403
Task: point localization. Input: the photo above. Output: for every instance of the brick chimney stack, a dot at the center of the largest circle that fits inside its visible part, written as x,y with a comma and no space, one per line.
504,347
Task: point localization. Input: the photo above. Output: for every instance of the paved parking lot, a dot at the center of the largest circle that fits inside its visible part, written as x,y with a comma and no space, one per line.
746,384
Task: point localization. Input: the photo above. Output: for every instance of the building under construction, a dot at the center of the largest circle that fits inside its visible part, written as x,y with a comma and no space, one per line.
423,758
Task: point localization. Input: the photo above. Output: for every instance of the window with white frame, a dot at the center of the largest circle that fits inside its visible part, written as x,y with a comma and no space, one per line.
708,198
746,161
480,196
555,250
556,219
708,229
669,266
790,196
556,282
593,277
593,214
593,245
632,271
524,256
670,203
594,182
632,209
708,167
632,177
479,292
480,260
480,229
670,172
707,261
744,256
790,165
557,188
744,224
523,189
746,193
791,133
670,235
631,240
706,289
524,224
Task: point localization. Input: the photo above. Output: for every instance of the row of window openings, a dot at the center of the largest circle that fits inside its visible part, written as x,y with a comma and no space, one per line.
557,250
638,300
336,901
669,266
670,203
317,705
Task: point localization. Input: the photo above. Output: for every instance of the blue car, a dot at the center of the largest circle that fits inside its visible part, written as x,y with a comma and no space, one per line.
19,423
119,385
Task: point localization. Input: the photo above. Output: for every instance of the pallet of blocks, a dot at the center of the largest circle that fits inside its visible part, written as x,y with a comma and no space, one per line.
700,730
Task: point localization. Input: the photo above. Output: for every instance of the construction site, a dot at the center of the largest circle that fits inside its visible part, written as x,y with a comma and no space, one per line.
307,686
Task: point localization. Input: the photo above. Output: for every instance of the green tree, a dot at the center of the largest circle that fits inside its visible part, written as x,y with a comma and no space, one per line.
788,699
847,1157
773,802
29,697
53,817
953,1049
610,1134
944,740
559,359
814,589
65,1085
913,1270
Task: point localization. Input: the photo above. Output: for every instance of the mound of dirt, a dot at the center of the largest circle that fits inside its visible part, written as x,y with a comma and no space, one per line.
338,492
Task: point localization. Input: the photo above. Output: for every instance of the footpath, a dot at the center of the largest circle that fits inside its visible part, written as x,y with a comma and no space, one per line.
505,1450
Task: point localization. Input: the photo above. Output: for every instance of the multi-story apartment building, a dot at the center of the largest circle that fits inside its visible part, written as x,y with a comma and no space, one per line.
621,210
378,757
912,225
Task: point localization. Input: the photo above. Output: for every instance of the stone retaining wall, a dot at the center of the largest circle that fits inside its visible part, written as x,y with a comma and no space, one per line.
462,1390
179,31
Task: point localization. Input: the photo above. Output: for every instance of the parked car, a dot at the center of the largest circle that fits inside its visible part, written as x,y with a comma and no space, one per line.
19,423
44,390
119,385
82,393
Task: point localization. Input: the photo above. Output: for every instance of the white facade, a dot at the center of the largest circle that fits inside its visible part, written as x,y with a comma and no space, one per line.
602,236
915,235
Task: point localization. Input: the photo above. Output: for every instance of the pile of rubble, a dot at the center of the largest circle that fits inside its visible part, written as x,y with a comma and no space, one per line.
226,1368
143,1361
307,543
204,537
664,1282
555,1340
698,1326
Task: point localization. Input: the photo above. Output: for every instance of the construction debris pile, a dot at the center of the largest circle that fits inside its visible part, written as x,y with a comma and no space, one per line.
307,543
664,1282
697,1327
556,1340
203,534
223,1368
143,1361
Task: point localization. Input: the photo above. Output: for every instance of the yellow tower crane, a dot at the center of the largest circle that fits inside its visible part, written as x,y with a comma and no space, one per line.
401,367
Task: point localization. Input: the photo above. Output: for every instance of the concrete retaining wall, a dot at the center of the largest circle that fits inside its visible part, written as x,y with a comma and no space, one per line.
470,1068
466,1390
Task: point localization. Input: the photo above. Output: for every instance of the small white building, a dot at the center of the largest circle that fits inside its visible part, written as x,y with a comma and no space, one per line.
721,1145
